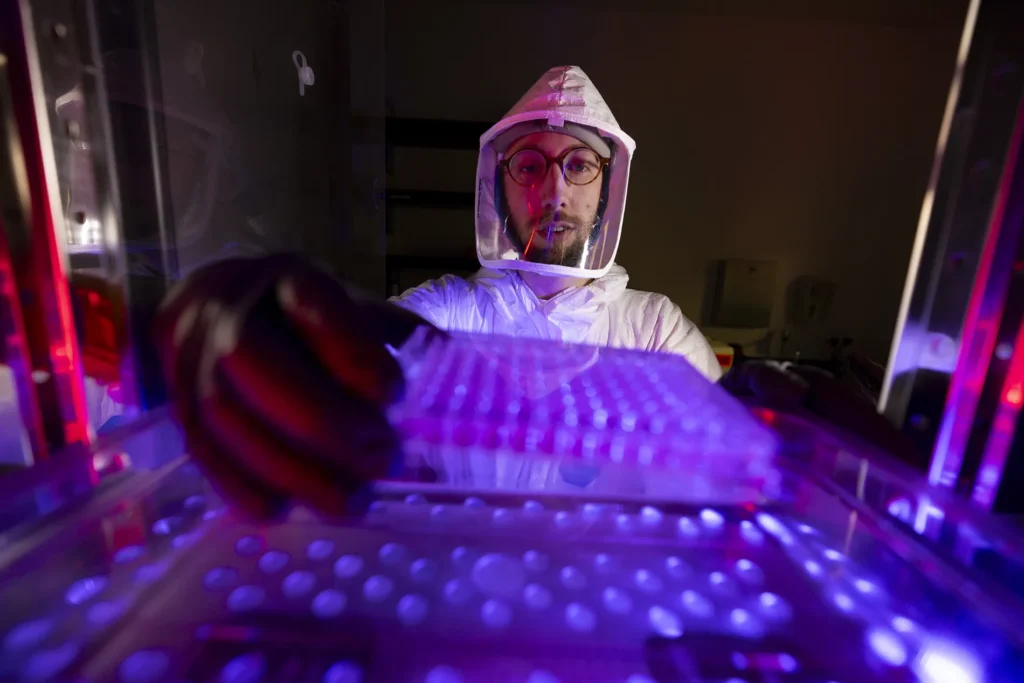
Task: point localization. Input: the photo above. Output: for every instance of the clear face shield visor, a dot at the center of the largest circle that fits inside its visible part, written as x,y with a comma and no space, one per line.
550,200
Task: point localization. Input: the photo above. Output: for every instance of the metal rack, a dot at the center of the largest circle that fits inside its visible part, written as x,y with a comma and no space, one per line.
426,134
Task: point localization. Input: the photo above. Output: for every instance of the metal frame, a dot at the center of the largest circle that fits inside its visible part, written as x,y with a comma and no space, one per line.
45,360
962,260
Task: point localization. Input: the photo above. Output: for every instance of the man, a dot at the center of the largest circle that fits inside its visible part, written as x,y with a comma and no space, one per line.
280,376
550,197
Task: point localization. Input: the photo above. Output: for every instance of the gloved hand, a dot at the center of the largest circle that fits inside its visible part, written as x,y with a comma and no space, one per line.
812,391
280,378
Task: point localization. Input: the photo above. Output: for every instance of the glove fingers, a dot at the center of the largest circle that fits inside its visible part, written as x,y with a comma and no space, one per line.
270,459
340,335
182,333
283,385
240,491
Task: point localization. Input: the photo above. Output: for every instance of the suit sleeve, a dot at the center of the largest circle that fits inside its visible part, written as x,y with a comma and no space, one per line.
433,301
676,334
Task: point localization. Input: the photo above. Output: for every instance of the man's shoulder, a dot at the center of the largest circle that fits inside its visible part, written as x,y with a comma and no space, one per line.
647,300
448,284
653,306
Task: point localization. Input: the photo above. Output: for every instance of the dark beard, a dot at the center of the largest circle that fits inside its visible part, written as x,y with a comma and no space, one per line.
570,254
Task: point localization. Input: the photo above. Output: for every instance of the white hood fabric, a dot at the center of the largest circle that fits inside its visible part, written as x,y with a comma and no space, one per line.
603,313
562,95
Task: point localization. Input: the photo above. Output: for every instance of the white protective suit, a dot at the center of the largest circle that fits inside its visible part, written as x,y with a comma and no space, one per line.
496,300
604,313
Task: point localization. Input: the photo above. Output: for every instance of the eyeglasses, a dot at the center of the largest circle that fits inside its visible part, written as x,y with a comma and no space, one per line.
580,166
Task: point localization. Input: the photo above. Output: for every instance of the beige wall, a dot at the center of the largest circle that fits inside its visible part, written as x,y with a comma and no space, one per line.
802,140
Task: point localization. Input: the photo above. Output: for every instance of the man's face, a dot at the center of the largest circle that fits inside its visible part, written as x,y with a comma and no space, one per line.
553,218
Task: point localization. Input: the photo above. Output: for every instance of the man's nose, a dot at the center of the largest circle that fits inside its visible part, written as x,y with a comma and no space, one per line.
552,189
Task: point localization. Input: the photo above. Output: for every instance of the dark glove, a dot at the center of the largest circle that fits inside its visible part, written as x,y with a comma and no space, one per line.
804,389
280,379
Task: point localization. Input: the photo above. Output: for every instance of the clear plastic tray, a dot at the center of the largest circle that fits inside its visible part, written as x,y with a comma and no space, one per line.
490,574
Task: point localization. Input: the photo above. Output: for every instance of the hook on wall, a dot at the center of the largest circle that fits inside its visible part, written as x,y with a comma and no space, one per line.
305,72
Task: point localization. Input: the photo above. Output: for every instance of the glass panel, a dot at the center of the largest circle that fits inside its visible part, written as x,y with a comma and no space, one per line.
190,132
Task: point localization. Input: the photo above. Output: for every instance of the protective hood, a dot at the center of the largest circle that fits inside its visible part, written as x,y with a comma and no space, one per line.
563,100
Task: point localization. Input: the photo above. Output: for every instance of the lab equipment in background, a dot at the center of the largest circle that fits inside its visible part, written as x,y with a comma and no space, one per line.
739,305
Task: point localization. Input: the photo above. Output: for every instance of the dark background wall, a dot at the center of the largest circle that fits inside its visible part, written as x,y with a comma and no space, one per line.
792,133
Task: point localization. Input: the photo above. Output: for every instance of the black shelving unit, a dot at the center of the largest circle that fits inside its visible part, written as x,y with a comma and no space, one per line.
427,134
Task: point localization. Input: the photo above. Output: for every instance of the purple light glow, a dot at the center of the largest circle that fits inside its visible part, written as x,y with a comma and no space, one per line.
651,515
412,609
166,526
247,668
687,527
572,579
813,568
843,601
711,518
443,674
901,508
423,570
750,533
145,666
320,550
496,614
459,591
348,566
46,664
27,635
580,618
647,581
344,672
941,662
697,605
128,553
536,596
391,553
248,546
664,622
542,676
616,601
377,588
84,590
245,598
298,583
220,578
329,603
902,624
148,573
887,646
103,613
676,568
273,561
502,576
536,561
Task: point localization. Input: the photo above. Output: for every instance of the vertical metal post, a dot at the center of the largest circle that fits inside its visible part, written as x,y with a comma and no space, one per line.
48,370
945,323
